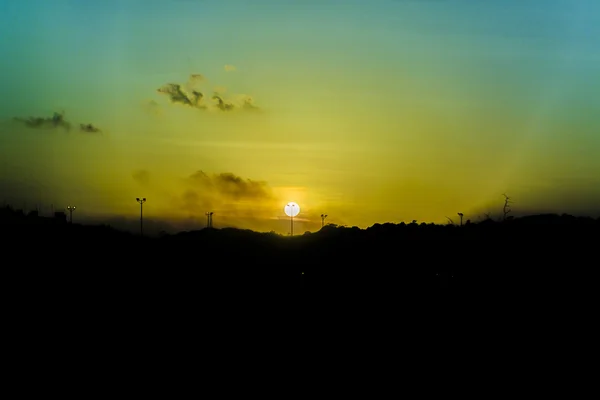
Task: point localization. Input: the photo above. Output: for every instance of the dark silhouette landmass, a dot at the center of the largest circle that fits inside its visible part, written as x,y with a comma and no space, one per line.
426,284
410,258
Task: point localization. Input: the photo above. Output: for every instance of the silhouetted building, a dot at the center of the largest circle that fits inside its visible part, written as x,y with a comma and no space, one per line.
60,216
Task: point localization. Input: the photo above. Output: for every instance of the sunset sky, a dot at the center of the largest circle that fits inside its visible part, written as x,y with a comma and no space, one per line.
368,111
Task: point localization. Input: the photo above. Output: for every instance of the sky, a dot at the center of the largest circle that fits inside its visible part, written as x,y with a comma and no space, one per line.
366,111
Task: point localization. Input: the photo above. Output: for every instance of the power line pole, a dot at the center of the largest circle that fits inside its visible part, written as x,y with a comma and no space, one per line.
141,200
71,209
292,220
323,216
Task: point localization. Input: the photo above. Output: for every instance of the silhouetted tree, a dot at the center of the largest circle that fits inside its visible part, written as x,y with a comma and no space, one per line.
506,209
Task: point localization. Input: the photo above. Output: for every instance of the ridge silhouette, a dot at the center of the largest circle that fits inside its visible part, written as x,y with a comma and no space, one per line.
424,256
525,271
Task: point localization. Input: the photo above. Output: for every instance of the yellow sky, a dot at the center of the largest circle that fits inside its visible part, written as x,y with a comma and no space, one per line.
396,113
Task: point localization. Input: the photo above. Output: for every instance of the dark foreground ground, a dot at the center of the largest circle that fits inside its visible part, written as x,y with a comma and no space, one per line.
85,303
95,265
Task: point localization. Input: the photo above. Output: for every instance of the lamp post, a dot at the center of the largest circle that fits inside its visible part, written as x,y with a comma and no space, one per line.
461,218
71,209
141,200
292,220
323,216
292,209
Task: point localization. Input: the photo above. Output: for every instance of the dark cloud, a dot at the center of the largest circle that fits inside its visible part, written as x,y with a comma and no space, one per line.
221,104
227,192
231,187
177,95
89,128
54,122
196,99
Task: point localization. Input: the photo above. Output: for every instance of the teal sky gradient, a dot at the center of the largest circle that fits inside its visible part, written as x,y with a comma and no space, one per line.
369,111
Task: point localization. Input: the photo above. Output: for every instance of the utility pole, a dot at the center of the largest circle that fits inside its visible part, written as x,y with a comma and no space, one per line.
71,209
141,200
291,209
209,219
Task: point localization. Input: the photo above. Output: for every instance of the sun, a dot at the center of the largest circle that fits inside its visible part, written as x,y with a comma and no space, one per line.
291,209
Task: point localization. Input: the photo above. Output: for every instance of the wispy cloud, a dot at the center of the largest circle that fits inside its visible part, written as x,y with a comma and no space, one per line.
89,128
189,95
56,121
178,95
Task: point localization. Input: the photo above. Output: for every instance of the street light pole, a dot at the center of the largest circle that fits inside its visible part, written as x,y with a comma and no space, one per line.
141,200
292,220
71,209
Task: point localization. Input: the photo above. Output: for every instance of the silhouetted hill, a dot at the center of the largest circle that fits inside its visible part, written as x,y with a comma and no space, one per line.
421,285
530,266
413,249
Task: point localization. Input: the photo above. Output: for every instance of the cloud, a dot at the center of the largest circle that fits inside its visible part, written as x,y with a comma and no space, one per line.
177,95
193,98
196,78
229,68
222,104
54,122
236,200
228,194
152,107
141,176
247,102
89,128
231,187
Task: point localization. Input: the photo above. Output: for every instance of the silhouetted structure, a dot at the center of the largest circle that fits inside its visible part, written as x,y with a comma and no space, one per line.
209,216
292,209
141,200
386,261
71,209
323,216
